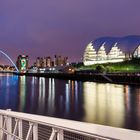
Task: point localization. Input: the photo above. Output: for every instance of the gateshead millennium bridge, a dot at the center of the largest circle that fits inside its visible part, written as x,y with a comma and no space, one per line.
8,57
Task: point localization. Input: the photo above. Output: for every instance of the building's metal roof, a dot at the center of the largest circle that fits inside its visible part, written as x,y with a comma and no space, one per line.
126,44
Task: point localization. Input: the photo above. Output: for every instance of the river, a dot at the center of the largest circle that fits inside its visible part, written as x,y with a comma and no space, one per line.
100,103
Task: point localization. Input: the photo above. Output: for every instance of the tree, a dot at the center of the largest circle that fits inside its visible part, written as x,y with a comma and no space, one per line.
100,68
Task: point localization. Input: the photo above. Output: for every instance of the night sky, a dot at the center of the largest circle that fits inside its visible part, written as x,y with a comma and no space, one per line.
63,27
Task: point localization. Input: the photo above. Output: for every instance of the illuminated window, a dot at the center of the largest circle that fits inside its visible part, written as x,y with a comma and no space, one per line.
23,64
137,52
101,55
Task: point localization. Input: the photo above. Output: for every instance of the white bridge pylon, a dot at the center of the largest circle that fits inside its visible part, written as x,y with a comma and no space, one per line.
9,60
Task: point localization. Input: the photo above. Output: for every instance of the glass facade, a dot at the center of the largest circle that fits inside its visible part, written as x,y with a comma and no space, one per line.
137,52
91,56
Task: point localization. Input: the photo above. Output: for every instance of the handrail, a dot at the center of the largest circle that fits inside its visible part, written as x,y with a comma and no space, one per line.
82,128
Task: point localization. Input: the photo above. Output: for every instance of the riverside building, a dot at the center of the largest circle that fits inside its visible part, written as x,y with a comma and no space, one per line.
22,63
104,55
47,62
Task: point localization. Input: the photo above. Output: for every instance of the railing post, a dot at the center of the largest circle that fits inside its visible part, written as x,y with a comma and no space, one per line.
9,126
35,131
29,131
57,134
1,126
53,135
60,135
20,131
15,128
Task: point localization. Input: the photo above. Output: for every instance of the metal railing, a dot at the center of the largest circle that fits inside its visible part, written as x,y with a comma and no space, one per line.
23,126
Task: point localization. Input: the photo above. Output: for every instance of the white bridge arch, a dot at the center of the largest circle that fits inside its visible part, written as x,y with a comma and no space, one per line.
9,60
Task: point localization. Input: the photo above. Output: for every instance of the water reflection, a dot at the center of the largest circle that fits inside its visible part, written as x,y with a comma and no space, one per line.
22,92
51,96
8,83
107,104
76,96
132,106
102,101
33,82
41,98
67,91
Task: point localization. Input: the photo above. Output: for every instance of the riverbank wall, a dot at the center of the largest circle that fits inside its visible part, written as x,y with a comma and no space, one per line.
118,78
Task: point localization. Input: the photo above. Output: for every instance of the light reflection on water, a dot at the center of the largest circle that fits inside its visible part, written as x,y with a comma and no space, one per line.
51,97
107,104
22,93
102,101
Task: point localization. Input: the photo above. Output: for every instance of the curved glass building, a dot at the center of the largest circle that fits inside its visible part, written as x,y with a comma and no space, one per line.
105,55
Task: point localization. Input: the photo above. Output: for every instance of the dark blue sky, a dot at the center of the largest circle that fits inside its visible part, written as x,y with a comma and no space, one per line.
63,27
